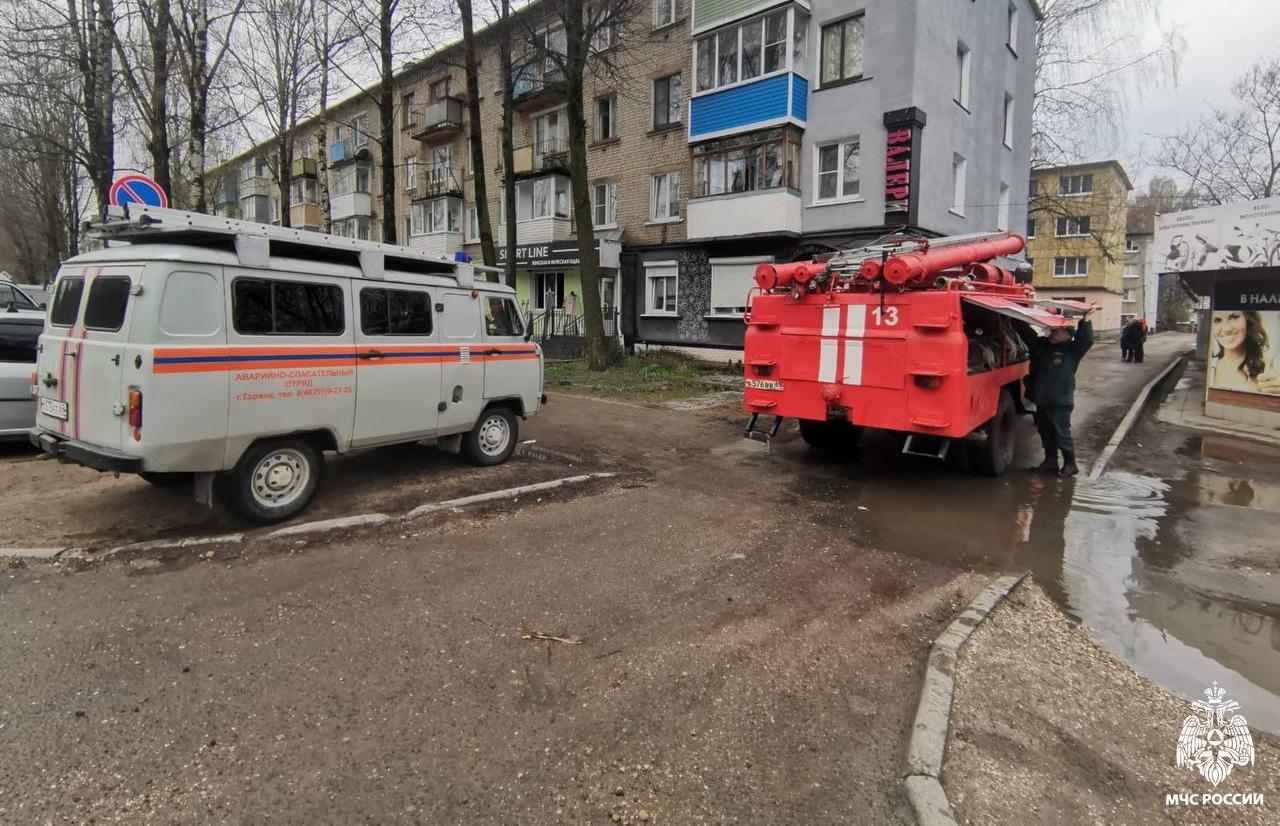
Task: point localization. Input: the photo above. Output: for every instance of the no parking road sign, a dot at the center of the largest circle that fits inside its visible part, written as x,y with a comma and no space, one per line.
138,189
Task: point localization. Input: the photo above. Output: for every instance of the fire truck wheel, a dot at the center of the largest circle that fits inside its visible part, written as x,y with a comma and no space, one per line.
274,480
493,439
993,457
837,438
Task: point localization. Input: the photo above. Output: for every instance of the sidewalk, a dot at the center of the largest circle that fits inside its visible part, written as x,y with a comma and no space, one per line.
1185,407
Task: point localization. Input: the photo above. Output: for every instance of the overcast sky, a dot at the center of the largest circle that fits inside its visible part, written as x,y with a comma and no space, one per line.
1222,38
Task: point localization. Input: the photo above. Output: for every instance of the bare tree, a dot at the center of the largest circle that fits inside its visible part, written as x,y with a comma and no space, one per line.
506,73
1089,61
591,28
1233,153
202,35
141,43
332,35
476,131
277,67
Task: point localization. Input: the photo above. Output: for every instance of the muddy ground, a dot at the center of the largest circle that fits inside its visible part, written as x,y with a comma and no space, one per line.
753,623
1049,728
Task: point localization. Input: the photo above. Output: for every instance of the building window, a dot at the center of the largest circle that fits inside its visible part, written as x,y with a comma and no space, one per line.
275,210
604,204
605,38
438,89
411,173
303,191
666,12
353,178
964,58
1013,28
660,288
473,226
747,163
1132,271
1130,245
357,227
1070,267
838,170
1071,227
1008,121
1128,296
665,204
1002,212
1031,228
548,291
436,215
731,280
1075,184
957,184
551,133
606,118
742,51
842,51
360,131
407,115
668,101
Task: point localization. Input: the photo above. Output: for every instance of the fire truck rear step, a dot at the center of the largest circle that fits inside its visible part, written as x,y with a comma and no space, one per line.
761,434
930,447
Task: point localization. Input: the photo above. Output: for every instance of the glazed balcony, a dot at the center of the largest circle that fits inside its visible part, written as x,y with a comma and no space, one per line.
439,120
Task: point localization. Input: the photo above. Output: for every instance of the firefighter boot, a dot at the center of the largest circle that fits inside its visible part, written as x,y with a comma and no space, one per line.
1068,465
1049,465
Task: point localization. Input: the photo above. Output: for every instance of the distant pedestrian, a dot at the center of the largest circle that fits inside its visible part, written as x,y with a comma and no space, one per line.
1130,338
1053,389
1140,342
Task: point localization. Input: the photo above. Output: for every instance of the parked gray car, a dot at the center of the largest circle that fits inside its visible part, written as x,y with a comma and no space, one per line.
21,322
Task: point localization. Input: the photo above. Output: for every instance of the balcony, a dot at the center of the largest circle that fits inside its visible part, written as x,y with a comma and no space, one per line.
777,98
539,231
437,181
551,155
228,193
256,186
535,86
304,216
341,152
255,208
439,120
736,214
351,205
303,168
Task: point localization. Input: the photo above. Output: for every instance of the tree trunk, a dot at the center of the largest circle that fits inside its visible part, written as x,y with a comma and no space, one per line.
508,142
322,148
97,68
158,107
576,47
476,131
386,119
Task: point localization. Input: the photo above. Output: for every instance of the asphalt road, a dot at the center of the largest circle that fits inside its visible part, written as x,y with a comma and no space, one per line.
751,642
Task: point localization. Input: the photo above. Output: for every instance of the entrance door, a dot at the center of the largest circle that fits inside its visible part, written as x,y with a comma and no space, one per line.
462,376
397,366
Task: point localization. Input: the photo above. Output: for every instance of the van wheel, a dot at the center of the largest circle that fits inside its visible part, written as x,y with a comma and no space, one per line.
994,456
493,439
834,437
166,480
274,480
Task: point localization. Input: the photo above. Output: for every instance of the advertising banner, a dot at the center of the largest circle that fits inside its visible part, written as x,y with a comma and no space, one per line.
1244,337
1230,236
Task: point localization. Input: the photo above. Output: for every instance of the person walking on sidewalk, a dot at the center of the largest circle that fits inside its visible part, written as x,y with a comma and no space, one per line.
1128,340
1140,340
1053,389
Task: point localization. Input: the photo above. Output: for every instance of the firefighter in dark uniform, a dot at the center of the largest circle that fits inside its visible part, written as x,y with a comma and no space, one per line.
1053,389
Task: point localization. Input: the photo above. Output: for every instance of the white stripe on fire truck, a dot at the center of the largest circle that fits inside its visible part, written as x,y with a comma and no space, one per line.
852,361
827,360
831,321
856,323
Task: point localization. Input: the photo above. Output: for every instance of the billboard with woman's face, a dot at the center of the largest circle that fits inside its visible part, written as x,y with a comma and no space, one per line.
1244,338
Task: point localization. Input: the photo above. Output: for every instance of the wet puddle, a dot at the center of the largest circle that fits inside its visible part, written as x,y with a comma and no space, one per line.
1179,579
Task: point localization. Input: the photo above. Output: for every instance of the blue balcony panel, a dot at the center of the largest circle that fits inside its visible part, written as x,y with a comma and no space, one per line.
800,98
744,107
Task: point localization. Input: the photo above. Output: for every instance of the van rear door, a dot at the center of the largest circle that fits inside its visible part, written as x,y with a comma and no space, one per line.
81,377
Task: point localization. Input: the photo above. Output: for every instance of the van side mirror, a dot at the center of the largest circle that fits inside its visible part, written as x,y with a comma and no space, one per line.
528,331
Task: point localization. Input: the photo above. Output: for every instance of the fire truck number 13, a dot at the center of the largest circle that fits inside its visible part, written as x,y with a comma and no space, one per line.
886,316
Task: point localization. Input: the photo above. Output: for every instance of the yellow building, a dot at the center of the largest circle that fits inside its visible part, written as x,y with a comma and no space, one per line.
1076,235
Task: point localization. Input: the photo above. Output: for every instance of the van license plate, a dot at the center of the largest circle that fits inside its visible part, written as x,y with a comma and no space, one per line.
54,408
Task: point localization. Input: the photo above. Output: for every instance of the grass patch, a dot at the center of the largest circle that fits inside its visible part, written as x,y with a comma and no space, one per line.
654,376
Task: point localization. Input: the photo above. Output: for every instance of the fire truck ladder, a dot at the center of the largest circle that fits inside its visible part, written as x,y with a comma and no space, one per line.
255,244
849,261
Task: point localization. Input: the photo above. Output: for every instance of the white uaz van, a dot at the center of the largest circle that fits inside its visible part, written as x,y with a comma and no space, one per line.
240,352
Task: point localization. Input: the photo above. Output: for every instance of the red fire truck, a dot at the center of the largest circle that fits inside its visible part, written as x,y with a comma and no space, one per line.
925,337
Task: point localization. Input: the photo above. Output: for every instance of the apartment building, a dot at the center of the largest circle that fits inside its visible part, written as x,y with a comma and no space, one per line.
1141,275
1076,236
725,133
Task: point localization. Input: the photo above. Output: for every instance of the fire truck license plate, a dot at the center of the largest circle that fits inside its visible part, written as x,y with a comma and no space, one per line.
54,408
763,384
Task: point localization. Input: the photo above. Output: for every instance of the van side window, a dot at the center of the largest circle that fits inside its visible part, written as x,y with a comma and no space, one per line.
266,307
66,302
108,300
395,312
501,318
191,305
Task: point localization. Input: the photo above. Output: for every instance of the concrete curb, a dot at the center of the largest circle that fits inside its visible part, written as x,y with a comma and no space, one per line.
1131,417
186,542
508,493
30,553
928,746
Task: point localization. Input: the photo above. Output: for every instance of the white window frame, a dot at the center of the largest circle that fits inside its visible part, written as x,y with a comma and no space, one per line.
538,296
1076,259
674,12
1077,177
1129,296
472,222
959,183
653,102
964,58
1031,227
840,197
1013,27
611,204
1077,226
714,37
360,131
410,173
1008,120
740,261
1133,270
668,269
611,102
1130,245
666,216
1002,210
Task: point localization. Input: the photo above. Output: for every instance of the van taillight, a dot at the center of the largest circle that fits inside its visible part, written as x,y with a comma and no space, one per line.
135,413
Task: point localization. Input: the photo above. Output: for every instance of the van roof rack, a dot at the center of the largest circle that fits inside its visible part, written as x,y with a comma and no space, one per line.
255,243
